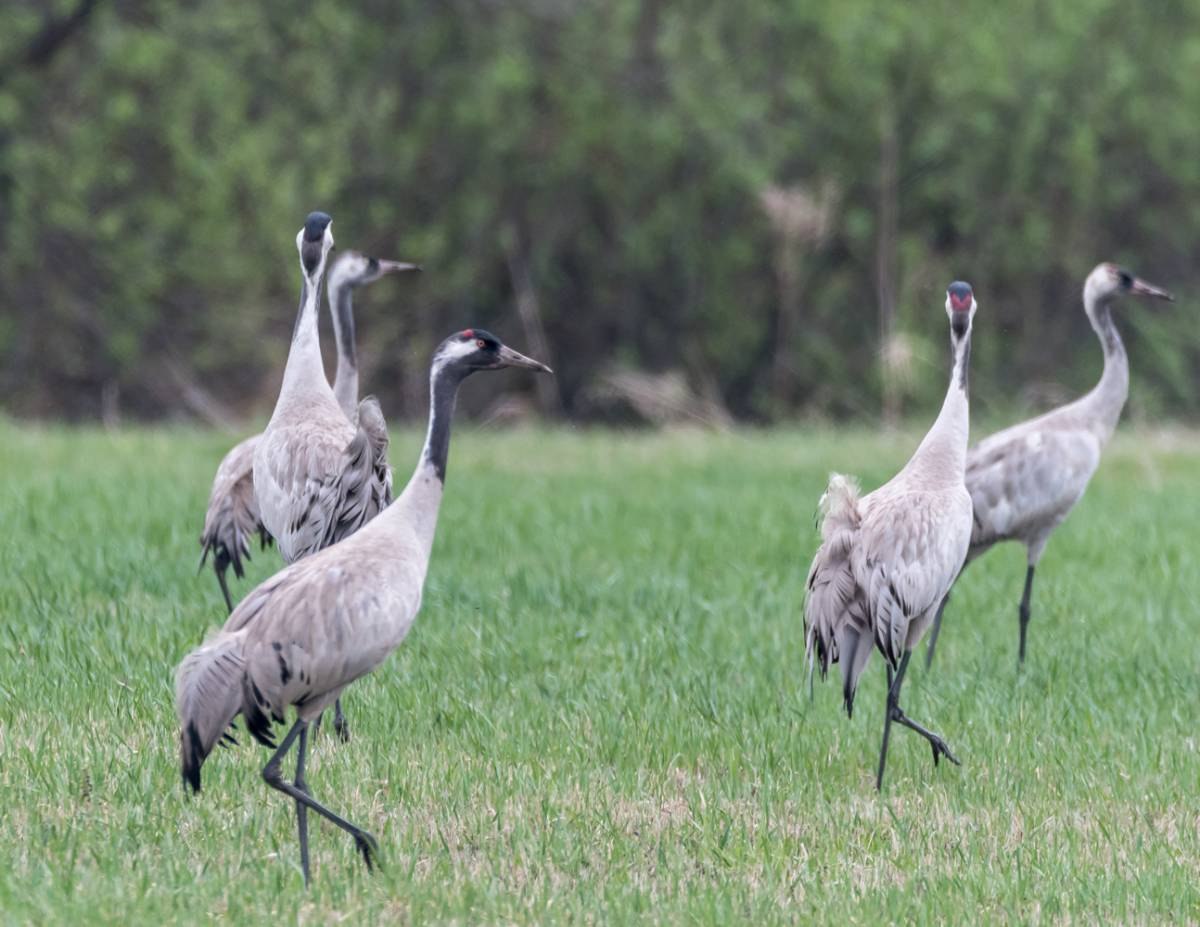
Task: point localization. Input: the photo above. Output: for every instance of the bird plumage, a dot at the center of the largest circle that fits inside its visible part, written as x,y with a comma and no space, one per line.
319,478
232,517
310,630
304,635
207,699
1024,481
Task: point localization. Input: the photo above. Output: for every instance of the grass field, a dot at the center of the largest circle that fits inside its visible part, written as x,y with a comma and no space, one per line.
600,715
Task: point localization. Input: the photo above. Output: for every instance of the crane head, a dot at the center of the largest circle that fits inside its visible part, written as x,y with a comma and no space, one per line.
354,268
314,242
1108,280
475,349
960,306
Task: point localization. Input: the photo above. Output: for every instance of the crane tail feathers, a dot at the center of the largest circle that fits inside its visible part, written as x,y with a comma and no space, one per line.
838,508
360,489
233,515
207,699
833,613
854,657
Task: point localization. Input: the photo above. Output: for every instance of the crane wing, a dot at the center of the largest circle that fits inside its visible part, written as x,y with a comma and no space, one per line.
357,488
320,480
1025,481
912,546
290,460
320,625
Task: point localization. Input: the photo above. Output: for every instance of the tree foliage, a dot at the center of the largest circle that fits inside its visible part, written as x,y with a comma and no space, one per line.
155,168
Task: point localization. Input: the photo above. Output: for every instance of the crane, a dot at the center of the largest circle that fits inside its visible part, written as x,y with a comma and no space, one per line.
317,477
887,558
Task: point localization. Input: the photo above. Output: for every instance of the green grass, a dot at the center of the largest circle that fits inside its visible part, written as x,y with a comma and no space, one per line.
600,715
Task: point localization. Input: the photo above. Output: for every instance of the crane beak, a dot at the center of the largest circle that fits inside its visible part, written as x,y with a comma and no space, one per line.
396,267
1140,287
511,358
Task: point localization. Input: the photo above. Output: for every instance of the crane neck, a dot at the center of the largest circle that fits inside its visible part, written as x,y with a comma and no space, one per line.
304,375
421,499
345,381
444,381
942,455
1107,398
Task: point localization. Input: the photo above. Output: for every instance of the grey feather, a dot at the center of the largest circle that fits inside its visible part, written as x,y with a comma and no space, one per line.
232,518
207,699
349,493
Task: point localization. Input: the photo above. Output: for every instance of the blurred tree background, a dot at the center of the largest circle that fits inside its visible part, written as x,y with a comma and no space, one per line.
764,200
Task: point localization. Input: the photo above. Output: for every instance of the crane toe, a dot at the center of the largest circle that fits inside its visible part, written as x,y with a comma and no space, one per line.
368,846
940,749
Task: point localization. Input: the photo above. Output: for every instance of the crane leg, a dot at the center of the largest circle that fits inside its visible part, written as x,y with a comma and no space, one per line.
1023,613
225,590
273,774
933,634
887,728
302,810
895,713
340,724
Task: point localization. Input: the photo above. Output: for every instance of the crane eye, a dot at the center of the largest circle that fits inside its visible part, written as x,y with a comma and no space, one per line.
480,343
1126,279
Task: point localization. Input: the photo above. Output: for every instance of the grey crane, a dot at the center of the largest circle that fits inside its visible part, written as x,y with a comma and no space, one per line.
318,625
1024,481
232,517
317,476
887,558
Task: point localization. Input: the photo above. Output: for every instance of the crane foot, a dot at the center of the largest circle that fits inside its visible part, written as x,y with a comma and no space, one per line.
368,846
940,747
